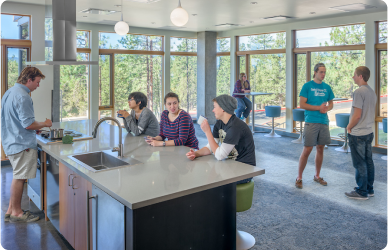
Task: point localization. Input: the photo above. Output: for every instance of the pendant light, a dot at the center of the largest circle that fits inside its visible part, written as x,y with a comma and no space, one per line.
179,16
121,27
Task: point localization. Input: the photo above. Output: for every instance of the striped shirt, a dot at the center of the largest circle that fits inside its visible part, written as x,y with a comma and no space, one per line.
239,89
181,130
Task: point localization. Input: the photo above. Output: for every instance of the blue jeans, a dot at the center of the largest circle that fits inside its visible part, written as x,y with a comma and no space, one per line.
361,151
244,106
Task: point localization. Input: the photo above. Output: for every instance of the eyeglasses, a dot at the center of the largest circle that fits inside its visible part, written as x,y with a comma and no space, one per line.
131,99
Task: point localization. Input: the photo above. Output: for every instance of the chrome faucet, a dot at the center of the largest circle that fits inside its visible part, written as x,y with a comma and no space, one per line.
118,149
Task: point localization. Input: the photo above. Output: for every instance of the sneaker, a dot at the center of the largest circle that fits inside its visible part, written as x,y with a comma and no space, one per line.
320,181
7,216
26,217
298,183
369,194
355,195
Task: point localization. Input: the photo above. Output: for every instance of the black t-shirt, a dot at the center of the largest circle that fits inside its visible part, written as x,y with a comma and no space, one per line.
237,132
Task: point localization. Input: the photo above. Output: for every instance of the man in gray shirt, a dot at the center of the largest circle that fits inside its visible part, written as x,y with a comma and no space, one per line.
141,120
360,129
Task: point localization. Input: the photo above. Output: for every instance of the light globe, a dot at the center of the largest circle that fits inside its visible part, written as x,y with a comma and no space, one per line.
121,28
179,16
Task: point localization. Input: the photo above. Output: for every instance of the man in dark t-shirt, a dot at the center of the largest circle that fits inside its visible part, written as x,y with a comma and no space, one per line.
234,135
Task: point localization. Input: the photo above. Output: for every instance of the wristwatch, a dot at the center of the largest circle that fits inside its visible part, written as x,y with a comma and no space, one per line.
164,143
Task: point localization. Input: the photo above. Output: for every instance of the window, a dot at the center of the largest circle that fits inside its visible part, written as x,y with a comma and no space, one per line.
138,73
48,37
130,42
340,64
332,36
382,32
83,39
131,63
74,90
268,74
183,70
223,66
262,57
179,44
15,27
16,62
262,42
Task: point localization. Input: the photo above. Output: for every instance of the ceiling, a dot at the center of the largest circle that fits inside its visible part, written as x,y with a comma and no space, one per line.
213,12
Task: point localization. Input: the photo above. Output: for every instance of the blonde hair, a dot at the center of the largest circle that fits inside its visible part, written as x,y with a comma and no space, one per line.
244,84
29,73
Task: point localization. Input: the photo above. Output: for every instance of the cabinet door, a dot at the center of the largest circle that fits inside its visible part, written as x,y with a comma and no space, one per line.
108,222
81,186
66,204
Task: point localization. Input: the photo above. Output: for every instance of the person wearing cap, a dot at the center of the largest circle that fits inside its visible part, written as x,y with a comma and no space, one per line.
234,135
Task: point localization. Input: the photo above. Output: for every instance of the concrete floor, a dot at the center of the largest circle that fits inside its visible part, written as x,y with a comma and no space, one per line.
281,217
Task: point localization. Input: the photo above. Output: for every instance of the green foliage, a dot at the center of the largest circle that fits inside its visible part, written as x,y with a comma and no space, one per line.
74,89
223,67
67,139
184,75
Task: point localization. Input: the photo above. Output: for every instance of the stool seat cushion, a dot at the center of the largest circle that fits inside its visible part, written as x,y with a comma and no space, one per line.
385,125
342,119
244,196
298,115
272,111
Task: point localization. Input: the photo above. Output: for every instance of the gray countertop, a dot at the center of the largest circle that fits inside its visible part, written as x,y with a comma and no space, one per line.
165,173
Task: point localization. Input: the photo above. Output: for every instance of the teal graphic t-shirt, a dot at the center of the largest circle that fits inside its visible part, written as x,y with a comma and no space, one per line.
316,94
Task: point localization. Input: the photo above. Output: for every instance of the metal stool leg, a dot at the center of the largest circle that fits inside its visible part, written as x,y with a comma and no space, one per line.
300,139
244,240
345,147
272,133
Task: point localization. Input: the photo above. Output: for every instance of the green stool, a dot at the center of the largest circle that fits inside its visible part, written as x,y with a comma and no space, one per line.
244,196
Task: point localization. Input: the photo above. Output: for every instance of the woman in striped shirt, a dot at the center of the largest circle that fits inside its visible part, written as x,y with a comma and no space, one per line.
175,125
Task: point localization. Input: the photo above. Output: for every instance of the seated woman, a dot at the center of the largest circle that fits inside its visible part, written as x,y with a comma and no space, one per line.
175,125
141,120
244,105
234,135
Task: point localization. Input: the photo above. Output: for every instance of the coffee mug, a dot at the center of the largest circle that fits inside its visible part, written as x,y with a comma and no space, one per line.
201,119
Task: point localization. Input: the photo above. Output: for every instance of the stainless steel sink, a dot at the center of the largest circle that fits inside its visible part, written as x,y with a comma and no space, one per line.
102,161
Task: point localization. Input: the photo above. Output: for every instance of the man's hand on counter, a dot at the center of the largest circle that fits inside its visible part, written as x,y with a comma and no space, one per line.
191,154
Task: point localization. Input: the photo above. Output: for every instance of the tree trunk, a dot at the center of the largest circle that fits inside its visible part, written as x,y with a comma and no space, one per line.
151,89
148,73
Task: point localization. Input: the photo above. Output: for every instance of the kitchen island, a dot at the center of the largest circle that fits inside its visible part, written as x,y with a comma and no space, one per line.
164,202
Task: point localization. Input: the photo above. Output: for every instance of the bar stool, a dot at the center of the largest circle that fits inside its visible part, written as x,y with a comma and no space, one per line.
342,120
298,115
385,131
244,196
272,111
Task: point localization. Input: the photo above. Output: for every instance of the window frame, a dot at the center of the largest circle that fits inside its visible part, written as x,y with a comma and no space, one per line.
378,48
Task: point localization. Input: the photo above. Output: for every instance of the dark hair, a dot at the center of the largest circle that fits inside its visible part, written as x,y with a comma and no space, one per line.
364,72
139,97
169,95
316,67
29,73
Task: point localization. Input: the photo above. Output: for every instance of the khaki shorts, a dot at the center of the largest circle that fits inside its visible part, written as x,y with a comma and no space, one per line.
24,164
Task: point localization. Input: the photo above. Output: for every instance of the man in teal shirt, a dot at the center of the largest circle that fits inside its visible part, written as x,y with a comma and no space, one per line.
316,97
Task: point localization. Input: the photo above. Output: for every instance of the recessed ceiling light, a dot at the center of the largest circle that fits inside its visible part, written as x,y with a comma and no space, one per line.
85,16
118,6
194,14
251,21
253,2
153,23
98,11
277,18
312,13
353,7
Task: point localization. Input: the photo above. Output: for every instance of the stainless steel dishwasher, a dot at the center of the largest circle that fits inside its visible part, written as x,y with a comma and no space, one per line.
52,189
